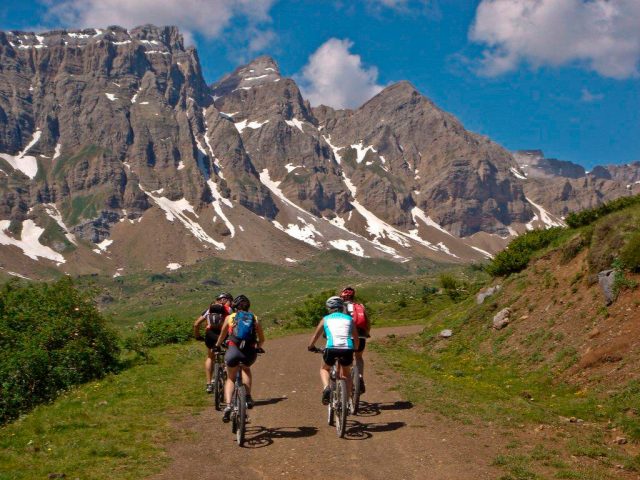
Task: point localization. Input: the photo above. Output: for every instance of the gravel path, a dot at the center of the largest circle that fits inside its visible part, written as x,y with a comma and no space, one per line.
288,436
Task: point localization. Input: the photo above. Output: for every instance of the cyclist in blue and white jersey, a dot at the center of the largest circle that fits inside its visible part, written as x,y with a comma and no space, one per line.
342,340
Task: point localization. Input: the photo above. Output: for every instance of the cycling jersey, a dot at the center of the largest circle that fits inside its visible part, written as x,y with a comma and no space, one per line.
337,329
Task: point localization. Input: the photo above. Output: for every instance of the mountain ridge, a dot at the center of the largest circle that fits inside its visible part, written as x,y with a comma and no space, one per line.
113,125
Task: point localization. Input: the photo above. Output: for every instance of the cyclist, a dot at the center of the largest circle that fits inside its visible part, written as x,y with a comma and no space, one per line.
342,340
246,338
359,315
214,317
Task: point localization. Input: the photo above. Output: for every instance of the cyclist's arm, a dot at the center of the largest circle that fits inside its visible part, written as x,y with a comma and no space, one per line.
355,336
223,333
316,334
196,326
260,333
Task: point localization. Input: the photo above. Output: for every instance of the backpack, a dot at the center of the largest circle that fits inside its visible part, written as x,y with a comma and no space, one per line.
359,315
216,318
244,327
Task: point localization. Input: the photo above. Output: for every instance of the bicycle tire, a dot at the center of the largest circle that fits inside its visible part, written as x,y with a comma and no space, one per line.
242,414
355,392
342,407
234,412
218,387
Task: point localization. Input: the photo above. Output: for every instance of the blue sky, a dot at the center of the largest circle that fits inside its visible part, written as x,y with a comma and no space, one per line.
559,75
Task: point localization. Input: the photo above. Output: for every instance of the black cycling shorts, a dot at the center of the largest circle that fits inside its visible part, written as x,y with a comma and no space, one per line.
211,337
344,356
363,343
234,356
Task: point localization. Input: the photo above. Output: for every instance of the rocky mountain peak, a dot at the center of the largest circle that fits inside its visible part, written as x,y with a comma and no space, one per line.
261,71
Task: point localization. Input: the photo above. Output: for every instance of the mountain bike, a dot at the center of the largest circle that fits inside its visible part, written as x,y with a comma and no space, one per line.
239,406
338,407
219,379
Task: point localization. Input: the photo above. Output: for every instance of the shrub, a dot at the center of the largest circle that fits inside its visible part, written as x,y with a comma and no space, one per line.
51,337
311,311
587,217
164,331
630,253
518,253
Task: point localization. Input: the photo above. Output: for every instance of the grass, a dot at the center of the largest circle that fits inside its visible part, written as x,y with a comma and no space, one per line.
113,428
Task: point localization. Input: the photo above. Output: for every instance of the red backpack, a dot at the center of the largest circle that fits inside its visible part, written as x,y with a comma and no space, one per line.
359,315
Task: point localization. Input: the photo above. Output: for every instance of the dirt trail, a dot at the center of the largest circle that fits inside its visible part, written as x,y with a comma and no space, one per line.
288,435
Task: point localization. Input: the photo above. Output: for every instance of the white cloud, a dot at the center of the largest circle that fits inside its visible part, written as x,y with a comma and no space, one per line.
205,17
602,35
337,78
589,97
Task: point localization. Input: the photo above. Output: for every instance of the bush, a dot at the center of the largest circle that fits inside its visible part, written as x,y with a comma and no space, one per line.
311,311
587,217
164,331
51,338
630,253
516,256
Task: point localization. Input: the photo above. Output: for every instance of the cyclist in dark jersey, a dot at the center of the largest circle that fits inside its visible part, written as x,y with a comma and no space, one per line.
214,317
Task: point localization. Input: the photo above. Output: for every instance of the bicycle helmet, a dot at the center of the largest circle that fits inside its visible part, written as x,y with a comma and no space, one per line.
347,293
225,296
334,303
241,302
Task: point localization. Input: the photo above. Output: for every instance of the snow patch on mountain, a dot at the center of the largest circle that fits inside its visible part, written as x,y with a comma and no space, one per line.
178,209
517,174
29,241
111,97
417,213
218,199
306,233
103,245
294,122
545,217
350,246
173,266
362,151
54,213
334,148
240,126
27,164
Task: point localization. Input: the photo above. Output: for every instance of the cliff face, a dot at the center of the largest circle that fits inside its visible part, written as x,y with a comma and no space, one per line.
114,151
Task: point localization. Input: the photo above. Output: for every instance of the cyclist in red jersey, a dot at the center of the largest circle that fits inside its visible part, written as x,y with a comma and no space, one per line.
359,315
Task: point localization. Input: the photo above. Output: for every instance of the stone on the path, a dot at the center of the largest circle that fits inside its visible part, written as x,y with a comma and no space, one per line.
620,441
445,333
502,318
483,294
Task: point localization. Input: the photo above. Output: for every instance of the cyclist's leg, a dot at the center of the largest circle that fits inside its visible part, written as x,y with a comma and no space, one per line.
232,360
360,355
345,360
210,339
246,378
208,365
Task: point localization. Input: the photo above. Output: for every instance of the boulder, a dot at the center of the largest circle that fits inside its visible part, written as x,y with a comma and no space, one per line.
606,279
486,293
502,319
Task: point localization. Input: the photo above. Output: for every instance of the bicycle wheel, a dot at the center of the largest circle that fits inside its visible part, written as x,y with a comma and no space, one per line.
234,411
355,392
341,407
242,414
218,386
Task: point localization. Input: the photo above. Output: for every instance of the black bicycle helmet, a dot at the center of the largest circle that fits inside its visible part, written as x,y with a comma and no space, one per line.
334,303
225,296
241,302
